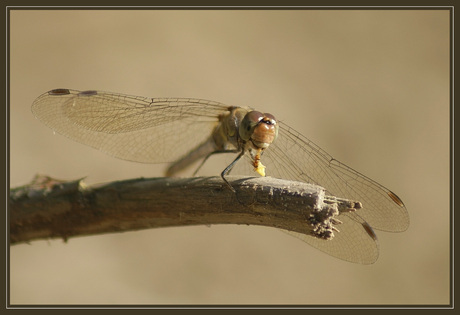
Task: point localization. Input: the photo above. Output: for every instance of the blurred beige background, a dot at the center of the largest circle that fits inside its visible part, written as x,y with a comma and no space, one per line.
370,87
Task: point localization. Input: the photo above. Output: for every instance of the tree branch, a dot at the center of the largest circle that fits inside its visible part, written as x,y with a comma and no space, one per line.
49,208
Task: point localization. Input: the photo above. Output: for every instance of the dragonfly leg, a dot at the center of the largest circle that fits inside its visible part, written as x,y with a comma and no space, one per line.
227,170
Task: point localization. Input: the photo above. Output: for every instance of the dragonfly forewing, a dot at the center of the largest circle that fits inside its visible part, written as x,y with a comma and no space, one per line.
146,130
295,157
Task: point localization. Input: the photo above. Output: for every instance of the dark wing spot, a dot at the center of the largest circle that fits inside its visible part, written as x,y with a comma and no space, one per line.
369,230
396,199
59,92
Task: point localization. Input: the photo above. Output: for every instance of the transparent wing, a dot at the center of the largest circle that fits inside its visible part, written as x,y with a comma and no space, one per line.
147,130
292,156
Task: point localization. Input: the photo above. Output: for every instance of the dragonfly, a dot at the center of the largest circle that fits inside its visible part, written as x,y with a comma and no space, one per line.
182,131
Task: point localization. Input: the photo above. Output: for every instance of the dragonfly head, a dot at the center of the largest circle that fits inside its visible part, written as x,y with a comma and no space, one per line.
260,128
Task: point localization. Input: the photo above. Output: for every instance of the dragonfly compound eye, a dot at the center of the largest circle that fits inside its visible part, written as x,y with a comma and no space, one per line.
249,122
